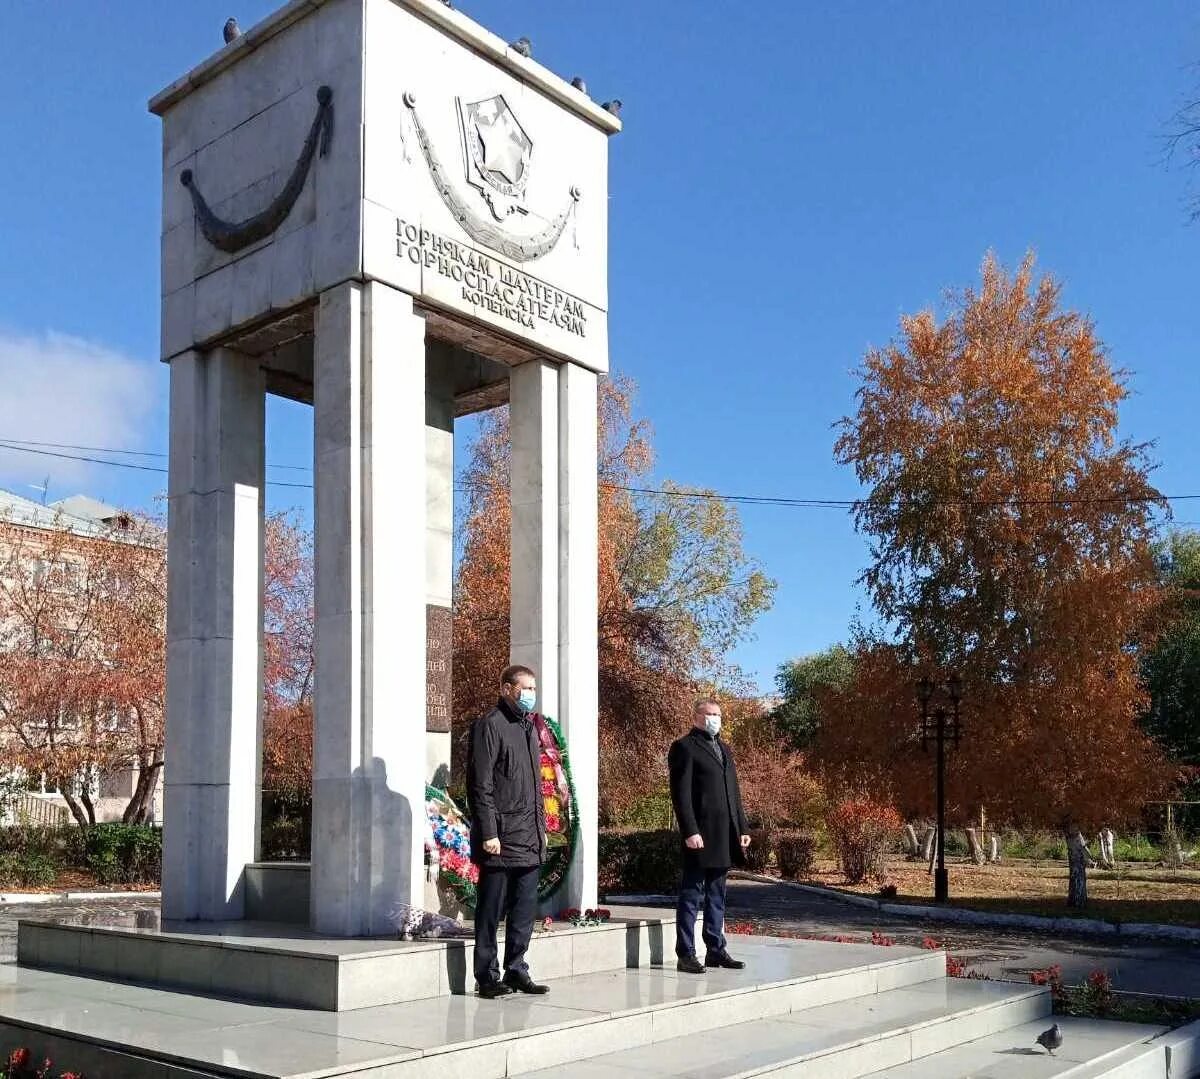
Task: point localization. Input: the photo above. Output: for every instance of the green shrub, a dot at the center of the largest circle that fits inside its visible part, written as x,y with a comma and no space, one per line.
794,853
286,839
22,839
640,862
123,853
37,870
286,829
27,870
1137,848
651,812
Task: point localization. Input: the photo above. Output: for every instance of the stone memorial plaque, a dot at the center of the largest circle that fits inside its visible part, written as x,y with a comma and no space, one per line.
439,627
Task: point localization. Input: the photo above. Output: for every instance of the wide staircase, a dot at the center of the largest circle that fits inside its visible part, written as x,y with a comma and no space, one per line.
800,1008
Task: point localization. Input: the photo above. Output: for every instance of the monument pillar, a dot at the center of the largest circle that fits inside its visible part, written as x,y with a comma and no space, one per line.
439,560
553,615
533,486
369,716
214,632
578,617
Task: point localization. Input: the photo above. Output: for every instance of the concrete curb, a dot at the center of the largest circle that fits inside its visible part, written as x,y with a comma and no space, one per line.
1183,1050
957,915
33,899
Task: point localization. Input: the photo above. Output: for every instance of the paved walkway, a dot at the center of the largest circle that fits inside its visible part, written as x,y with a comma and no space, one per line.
11,913
1159,967
1136,966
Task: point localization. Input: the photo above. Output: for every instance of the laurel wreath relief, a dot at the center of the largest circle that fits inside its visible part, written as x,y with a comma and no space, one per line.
233,236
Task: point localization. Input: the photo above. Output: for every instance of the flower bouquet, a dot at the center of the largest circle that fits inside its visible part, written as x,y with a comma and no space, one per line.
581,918
448,844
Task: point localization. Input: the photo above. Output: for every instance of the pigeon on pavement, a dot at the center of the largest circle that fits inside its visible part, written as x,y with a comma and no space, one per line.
1050,1039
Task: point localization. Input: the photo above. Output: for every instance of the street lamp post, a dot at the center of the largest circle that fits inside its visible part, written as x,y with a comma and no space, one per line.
940,724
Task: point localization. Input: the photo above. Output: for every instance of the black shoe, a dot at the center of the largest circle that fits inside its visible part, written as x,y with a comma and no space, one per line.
723,959
521,982
689,964
491,990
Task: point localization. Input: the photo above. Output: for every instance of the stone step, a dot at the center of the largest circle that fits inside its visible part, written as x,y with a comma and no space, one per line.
178,1034
1174,1054
844,1040
1091,1049
289,965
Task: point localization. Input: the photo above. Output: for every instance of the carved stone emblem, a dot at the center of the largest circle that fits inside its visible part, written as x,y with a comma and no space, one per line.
498,154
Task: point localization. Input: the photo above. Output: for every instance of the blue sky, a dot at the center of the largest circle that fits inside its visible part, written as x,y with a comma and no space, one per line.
792,177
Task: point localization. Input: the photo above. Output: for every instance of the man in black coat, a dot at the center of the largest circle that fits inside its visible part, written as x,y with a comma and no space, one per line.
708,806
508,832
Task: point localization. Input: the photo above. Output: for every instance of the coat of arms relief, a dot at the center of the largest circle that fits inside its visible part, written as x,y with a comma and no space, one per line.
498,158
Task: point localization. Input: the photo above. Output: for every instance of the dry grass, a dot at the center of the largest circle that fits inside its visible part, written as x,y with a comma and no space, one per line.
1136,894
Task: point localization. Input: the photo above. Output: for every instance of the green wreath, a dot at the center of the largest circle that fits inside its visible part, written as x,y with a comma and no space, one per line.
559,855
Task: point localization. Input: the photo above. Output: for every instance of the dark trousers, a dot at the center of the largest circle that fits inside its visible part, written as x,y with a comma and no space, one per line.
700,887
510,894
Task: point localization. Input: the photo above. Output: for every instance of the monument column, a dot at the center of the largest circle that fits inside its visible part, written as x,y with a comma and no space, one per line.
578,659
369,719
439,559
534,486
214,632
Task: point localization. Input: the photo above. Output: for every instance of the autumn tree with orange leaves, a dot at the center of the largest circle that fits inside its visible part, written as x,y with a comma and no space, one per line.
82,650
1011,542
288,657
676,591
83,657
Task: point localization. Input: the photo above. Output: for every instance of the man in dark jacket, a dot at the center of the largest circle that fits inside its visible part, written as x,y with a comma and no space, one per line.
708,806
508,832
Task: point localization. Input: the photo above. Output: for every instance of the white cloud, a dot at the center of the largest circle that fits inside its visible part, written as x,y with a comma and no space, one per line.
57,388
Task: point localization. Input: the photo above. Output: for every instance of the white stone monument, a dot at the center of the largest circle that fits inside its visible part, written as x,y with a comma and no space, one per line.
378,207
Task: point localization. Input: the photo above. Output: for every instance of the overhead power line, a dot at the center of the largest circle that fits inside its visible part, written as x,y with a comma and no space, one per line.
855,503
117,464
45,449
18,443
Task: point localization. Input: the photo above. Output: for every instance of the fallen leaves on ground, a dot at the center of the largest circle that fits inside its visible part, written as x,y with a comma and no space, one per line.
1134,894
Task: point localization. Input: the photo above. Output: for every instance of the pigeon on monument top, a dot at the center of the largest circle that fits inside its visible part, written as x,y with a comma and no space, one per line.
1051,1039
613,106
522,46
579,84
232,30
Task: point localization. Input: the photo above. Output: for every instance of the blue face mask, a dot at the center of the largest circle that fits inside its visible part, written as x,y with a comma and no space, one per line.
526,699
